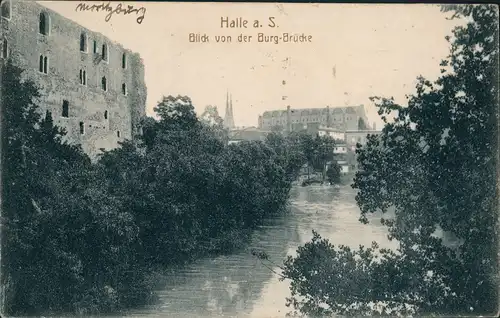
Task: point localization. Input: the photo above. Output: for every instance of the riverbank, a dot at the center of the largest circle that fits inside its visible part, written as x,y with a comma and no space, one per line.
240,285
89,238
237,242
347,179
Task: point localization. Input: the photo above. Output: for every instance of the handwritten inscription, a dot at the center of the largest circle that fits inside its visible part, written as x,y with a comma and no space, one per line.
110,9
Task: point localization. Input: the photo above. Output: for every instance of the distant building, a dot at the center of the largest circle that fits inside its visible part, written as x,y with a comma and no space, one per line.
336,134
340,156
237,135
344,166
341,118
340,149
353,137
93,87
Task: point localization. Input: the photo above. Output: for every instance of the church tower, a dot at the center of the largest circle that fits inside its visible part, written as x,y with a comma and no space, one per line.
228,116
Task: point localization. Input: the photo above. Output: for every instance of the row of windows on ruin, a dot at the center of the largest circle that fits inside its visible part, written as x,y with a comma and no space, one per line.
44,29
5,49
5,9
43,67
65,114
104,53
82,129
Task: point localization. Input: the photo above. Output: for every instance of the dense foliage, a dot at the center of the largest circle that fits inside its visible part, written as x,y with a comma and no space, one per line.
299,148
81,236
189,191
436,166
333,174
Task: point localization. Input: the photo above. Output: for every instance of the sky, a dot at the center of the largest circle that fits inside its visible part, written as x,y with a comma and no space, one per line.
356,51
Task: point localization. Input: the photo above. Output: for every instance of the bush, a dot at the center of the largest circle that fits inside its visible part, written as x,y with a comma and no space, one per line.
83,238
436,166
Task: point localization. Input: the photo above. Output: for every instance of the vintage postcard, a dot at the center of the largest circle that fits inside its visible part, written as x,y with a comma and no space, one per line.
163,159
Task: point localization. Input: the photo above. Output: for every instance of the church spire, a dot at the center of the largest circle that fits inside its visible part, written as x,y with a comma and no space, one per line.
231,104
228,116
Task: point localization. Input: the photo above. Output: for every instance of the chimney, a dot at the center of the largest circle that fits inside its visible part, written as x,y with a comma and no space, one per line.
374,126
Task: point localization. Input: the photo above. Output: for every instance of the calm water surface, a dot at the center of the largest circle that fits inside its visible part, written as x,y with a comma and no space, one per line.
240,285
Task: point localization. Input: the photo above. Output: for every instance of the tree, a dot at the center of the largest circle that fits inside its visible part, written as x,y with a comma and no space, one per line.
323,153
289,152
211,117
176,112
299,148
81,237
435,165
213,122
333,173
66,242
190,193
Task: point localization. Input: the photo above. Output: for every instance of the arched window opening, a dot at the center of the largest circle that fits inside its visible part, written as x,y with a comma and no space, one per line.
65,109
105,114
45,64
95,46
5,49
83,42
124,89
40,64
118,134
43,23
104,84
5,8
104,52
124,61
83,77
82,128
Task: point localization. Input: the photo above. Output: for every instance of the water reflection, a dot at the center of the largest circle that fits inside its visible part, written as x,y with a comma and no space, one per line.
239,284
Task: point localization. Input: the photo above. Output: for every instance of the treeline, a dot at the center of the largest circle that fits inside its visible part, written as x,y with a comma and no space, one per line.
82,237
300,147
436,165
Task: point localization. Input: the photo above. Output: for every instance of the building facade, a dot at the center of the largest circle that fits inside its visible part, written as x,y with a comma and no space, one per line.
93,87
336,134
341,118
240,134
353,137
340,156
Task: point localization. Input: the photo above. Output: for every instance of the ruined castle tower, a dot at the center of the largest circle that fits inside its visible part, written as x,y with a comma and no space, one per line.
228,116
97,97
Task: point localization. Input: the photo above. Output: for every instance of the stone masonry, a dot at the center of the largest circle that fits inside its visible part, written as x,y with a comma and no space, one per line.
93,87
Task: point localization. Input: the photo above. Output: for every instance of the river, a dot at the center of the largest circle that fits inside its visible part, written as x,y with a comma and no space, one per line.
240,285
